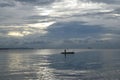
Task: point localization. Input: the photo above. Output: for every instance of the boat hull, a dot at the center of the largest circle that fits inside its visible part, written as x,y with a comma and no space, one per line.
67,53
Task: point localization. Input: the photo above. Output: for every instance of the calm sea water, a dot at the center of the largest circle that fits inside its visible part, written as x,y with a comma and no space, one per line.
49,64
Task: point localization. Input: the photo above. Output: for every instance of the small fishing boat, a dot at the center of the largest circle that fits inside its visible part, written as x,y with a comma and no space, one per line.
65,52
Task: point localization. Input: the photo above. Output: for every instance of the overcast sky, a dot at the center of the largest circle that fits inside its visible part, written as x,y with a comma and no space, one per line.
60,23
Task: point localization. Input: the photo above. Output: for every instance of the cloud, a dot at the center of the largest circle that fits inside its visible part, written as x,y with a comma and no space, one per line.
73,29
37,2
86,11
107,1
59,23
6,5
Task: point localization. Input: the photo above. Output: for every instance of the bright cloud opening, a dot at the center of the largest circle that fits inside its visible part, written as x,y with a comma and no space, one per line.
44,25
15,34
18,34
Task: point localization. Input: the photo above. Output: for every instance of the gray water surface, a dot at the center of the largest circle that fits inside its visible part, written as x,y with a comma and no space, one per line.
49,64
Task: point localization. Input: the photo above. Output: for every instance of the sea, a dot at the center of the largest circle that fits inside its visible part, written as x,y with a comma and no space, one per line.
50,64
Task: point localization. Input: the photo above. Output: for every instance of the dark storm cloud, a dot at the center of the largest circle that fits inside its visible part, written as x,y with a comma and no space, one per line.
117,10
74,30
77,35
107,1
6,5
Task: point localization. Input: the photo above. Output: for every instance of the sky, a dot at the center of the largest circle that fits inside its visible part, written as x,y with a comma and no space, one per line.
59,23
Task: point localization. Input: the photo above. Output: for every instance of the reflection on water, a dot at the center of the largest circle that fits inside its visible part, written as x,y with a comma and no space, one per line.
49,64
15,61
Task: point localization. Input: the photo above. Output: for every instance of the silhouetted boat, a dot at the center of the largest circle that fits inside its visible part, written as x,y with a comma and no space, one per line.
67,52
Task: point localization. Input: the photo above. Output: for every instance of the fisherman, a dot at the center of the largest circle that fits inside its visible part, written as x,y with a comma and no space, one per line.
65,50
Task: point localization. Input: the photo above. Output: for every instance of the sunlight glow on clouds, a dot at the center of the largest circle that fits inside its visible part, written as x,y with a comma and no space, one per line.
15,34
68,8
44,25
18,34
41,27
117,15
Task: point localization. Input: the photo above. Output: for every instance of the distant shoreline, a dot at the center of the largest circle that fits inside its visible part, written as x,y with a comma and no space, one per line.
15,48
50,48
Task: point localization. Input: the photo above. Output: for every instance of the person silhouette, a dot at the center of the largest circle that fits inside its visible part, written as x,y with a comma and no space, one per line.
65,51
